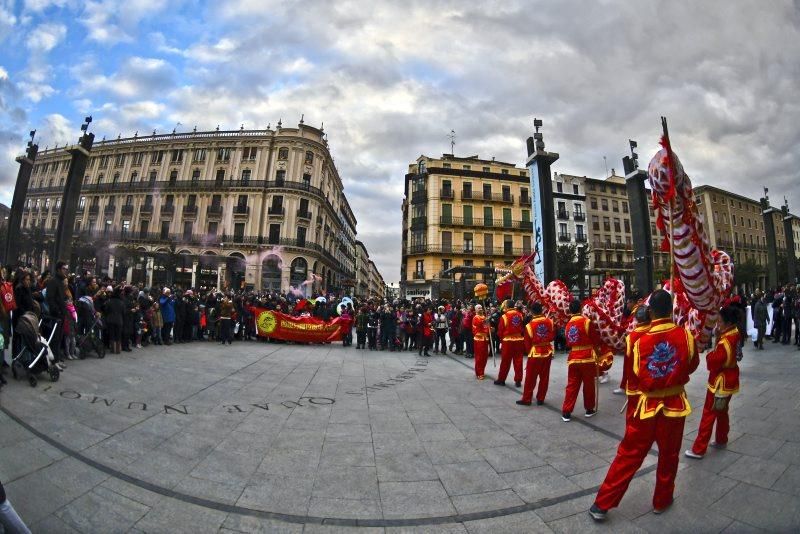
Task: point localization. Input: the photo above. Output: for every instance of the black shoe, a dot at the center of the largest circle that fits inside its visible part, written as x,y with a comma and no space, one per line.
499,382
566,417
597,513
539,403
590,413
523,403
518,384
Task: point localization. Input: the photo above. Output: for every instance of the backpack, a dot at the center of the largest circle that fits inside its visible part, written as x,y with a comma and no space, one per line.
7,294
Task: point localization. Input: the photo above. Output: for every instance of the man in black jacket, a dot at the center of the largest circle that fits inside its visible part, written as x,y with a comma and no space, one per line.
56,299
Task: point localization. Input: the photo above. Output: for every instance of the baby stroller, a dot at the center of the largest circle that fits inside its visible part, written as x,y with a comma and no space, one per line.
35,356
90,326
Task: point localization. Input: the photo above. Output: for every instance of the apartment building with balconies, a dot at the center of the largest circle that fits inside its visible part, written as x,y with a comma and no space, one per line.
263,209
461,211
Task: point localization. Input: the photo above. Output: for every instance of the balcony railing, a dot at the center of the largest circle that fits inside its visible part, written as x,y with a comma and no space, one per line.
580,238
214,210
612,265
467,195
485,223
471,250
127,209
303,214
167,209
420,275
564,237
496,197
563,215
110,210
94,210
525,201
447,194
419,196
239,211
579,216
190,211
276,210
146,208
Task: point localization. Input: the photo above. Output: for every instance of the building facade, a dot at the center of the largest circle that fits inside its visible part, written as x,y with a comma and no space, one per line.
261,209
461,212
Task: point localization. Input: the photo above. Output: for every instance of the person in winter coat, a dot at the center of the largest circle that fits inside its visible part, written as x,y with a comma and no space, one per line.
226,321
113,317
760,317
156,323
361,328
167,304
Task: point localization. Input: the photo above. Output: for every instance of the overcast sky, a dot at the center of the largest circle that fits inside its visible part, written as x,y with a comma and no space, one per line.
391,79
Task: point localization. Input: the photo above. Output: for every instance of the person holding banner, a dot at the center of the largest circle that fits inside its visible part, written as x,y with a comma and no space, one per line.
539,334
509,330
480,332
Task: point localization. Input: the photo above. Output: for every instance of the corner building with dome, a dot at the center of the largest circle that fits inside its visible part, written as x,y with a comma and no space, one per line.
257,209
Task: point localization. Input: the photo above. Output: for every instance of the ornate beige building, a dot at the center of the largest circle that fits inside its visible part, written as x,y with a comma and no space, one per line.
461,212
263,209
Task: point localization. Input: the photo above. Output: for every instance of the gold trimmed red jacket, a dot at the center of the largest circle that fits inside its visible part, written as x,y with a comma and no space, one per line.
723,376
632,385
480,330
579,340
511,326
663,359
539,334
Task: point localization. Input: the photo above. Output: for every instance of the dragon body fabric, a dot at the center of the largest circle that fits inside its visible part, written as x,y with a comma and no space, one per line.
703,278
701,282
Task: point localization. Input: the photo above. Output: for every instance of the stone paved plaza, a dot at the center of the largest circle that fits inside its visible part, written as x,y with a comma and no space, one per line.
264,437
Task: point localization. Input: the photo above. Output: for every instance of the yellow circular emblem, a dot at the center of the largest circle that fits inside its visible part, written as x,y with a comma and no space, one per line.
267,322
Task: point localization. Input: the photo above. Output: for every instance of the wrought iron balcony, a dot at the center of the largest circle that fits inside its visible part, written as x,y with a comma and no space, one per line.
190,211
303,214
167,209
214,211
447,194
564,237
276,210
579,216
562,215
127,209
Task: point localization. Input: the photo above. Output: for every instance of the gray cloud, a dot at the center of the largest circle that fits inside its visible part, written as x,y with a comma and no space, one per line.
390,80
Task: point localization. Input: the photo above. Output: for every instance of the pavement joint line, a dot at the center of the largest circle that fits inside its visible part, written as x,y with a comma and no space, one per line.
605,432
307,519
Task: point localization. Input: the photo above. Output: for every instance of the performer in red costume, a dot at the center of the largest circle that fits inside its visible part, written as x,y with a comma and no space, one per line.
480,333
581,363
663,359
539,334
509,330
630,382
723,382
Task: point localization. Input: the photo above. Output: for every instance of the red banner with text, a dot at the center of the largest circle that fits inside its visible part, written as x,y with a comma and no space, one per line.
278,325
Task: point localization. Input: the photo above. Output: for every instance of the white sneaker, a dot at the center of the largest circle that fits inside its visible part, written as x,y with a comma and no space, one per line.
618,391
138,346
60,366
603,378
689,453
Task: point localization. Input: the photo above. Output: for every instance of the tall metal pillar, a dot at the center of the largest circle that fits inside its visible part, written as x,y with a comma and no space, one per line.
72,191
11,253
544,220
772,246
640,222
791,263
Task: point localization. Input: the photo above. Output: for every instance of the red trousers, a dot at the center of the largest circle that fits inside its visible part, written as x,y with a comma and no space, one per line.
640,434
707,425
511,350
481,352
537,368
580,374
